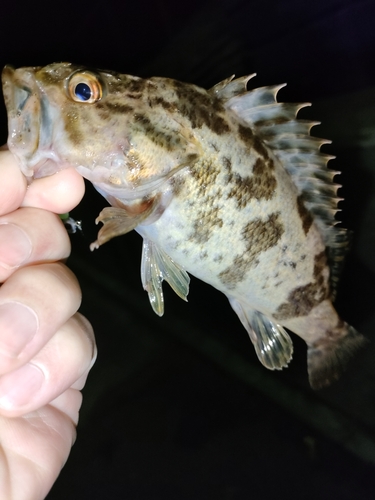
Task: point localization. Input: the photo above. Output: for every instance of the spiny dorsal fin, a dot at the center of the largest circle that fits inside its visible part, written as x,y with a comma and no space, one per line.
229,88
290,140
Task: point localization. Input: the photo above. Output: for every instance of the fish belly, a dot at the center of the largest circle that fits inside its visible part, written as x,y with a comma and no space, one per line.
257,254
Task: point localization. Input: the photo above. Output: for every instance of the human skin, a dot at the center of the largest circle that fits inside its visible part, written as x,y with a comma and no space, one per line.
46,347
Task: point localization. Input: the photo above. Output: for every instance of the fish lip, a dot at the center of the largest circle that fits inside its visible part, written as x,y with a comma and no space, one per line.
44,167
29,122
22,102
7,78
7,74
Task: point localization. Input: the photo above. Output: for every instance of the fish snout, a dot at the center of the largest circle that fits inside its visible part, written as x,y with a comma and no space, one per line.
22,100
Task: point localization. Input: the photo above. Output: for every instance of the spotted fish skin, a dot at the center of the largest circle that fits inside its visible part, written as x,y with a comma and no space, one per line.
225,184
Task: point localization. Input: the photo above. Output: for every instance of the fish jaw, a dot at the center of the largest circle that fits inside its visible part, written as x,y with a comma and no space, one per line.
23,106
32,123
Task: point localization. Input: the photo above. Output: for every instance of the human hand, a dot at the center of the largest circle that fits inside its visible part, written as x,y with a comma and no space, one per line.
46,347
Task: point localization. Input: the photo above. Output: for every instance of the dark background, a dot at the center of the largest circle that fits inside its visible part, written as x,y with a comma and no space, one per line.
179,407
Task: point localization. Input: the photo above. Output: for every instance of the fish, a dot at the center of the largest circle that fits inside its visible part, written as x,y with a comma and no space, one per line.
225,184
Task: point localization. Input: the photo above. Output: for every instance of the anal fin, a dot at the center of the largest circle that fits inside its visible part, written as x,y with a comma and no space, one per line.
157,266
272,343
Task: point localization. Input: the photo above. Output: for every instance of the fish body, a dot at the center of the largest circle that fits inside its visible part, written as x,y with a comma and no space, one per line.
224,184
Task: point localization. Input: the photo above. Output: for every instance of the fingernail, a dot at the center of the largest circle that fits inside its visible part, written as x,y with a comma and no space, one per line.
15,246
18,387
18,325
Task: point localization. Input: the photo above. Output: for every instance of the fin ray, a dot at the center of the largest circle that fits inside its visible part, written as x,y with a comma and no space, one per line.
116,221
272,343
177,278
229,88
157,266
151,278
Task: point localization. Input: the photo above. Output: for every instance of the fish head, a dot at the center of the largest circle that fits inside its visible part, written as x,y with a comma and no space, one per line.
99,122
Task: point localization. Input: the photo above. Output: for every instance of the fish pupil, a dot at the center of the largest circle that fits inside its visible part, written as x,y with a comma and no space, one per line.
83,91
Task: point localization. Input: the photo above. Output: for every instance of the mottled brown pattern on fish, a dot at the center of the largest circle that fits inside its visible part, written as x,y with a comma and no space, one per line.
227,164
305,215
159,101
177,183
104,113
274,121
73,128
320,262
260,147
207,218
263,234
205,224
114,107
260,185
246,135
134,96
117,82
300,301
156,134
331,336
252,141
259,235
205,174
304,298
136,85
115,86
201,108
320,265
51,77
192,158
135,166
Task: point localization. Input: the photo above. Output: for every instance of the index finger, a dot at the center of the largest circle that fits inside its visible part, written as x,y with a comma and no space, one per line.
57,193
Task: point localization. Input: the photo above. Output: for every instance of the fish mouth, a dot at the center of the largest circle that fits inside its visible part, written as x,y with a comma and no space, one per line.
29,123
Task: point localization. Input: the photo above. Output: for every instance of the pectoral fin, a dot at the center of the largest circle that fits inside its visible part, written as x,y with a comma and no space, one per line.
118,221
157,266
272,344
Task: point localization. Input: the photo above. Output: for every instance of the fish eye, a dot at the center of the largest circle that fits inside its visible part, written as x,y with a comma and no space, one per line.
85,87
82,91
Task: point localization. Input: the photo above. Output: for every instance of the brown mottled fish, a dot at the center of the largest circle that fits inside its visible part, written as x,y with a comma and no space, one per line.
225,184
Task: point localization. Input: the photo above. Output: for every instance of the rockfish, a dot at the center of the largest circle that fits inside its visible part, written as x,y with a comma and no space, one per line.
225,184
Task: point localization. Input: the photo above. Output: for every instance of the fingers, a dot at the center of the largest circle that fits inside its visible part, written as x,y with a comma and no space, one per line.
46,347
34,449
66,358
12,183
57,193
34,303
30,235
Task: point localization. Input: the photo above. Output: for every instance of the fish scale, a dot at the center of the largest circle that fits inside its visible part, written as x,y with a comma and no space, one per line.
225,184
